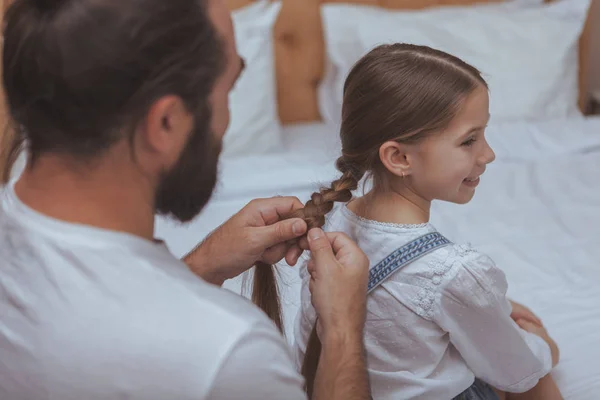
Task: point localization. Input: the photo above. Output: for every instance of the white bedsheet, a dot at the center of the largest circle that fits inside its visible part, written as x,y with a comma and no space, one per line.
536,213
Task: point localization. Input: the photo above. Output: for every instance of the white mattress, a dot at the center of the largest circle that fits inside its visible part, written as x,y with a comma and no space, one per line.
536,213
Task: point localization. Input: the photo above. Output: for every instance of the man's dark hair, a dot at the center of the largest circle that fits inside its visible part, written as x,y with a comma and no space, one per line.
80,75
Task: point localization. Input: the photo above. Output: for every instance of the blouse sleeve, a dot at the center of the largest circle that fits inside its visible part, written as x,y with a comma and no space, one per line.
475,312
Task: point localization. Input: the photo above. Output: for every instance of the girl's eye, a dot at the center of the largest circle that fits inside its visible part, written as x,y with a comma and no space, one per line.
468,142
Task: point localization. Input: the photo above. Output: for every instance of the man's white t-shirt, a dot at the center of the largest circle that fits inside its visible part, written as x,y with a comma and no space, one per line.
92,314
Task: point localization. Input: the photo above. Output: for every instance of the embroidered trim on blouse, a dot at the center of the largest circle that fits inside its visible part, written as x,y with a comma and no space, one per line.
436,272
352,215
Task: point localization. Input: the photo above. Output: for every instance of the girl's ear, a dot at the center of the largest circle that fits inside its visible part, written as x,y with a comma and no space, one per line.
395,158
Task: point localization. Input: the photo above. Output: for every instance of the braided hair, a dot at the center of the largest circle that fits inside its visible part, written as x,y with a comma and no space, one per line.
265,292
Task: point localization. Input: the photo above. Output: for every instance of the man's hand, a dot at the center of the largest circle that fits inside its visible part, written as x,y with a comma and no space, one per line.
339,273
256,233
519,311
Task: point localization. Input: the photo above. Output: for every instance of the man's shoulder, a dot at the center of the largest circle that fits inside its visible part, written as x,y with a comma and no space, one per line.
206,305
228,306
147,314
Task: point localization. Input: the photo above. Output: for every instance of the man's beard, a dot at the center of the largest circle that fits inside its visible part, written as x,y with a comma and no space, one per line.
188,186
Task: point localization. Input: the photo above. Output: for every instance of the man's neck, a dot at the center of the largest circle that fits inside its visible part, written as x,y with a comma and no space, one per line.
101,196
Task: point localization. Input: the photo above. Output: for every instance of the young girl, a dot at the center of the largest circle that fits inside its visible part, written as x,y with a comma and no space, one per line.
440,326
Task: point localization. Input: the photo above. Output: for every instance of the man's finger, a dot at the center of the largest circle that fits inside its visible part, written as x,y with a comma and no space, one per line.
320,247
341,243
293,254
311,266
277,208
281,232
303,243
274,254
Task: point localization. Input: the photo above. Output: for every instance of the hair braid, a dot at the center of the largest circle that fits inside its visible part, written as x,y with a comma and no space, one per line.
321,202
341,190
265,292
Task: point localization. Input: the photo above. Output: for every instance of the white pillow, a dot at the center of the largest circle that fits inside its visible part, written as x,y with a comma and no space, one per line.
528,55
254,127
343,47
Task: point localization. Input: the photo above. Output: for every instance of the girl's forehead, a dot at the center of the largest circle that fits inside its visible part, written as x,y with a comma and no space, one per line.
474,111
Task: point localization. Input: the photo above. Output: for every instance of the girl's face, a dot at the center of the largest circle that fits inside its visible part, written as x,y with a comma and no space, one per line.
448,166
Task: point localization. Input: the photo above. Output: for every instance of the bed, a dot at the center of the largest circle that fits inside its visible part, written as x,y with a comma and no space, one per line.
536,212
538,218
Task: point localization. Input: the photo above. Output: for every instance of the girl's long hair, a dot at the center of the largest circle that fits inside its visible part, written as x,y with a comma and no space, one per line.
397,92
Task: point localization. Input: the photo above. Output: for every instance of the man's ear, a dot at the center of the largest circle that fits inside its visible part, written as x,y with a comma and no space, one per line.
395,158
165,130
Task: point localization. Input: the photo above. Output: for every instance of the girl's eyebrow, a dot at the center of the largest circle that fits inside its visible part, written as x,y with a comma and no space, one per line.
475,128
472,130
